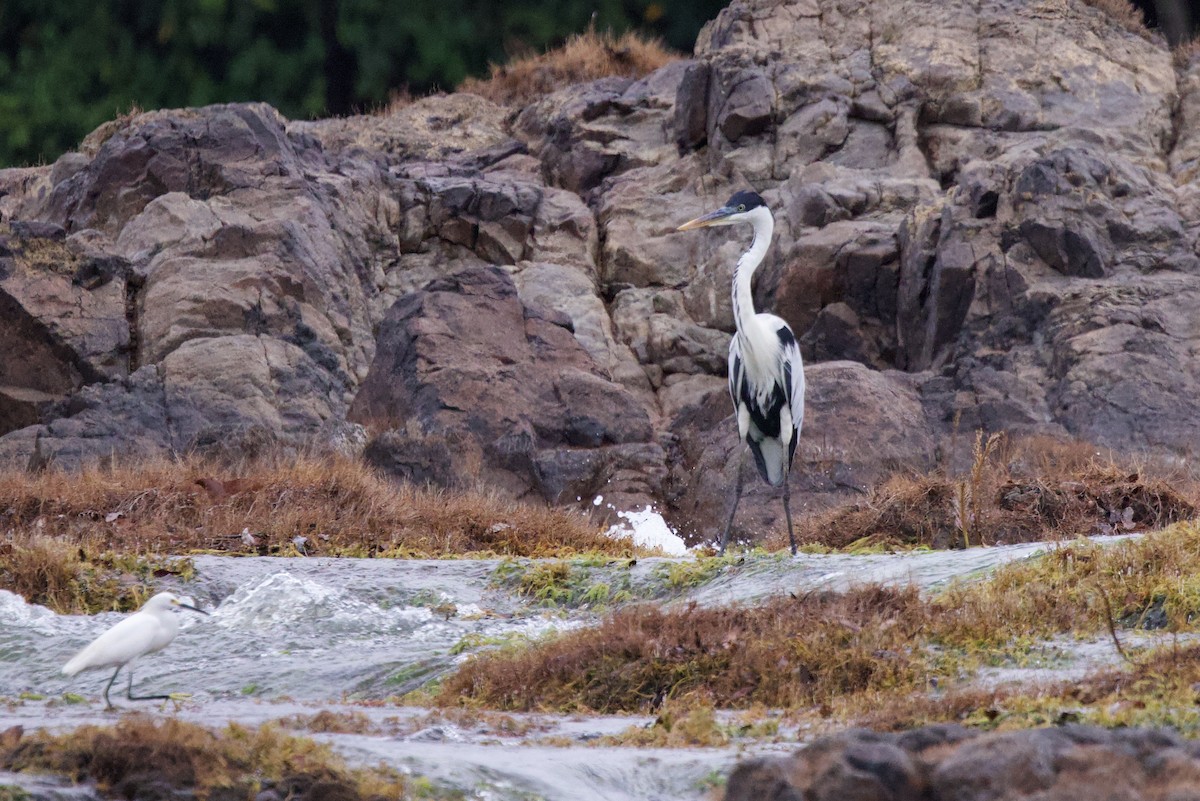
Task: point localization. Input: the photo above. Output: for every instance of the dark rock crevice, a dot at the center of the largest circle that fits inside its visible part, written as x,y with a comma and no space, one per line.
133,285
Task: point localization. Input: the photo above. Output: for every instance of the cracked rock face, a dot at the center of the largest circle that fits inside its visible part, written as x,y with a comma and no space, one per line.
985,213
502,391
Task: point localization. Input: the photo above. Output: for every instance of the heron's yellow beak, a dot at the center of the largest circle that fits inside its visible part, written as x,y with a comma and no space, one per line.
704,220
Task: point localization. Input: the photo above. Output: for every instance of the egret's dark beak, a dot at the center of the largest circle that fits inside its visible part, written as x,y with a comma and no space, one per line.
712,218
193,608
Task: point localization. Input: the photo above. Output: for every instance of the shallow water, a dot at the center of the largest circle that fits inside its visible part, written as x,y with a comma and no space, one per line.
301,634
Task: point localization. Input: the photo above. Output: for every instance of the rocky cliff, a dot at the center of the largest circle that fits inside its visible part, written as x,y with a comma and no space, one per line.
987,218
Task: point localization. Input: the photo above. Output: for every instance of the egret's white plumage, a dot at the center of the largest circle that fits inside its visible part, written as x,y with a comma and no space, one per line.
766,373
146,631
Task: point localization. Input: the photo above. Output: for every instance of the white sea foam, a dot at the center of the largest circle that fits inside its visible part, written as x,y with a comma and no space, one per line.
647,529
282,599
16,612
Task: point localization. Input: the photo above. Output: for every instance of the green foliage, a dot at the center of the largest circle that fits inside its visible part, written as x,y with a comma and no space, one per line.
686,574
564,583
475,641
68,66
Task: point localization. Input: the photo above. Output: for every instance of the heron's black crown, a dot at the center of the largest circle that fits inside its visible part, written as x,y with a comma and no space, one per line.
750,200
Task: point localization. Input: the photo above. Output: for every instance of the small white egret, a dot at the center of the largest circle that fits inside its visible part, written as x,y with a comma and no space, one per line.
766,374
150,629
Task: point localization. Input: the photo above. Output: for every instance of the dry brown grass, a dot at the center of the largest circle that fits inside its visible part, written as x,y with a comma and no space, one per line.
42,570
326,721
92,143
786,652
1125,13
851,648
1028,490
1186,53
71,580
138,756
338,506
397,99
1159,690
584,57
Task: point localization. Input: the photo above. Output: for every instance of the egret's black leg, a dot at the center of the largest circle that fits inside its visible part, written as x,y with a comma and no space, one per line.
132,697
787,511
737,497
107,687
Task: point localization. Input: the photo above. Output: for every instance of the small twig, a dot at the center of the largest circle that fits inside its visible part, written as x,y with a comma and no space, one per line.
1112,625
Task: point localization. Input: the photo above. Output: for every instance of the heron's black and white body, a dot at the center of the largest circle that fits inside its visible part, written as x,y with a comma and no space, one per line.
150,629
766,373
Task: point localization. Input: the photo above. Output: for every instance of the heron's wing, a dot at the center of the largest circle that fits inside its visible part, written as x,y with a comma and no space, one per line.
793,384
774,410
793,372
757,401
769,408
737,388
134,636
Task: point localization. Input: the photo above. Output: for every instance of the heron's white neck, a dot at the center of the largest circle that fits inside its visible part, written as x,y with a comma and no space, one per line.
743,298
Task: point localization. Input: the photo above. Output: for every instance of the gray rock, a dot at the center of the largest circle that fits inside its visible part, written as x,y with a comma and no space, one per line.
947,762
474,383
984,214
743,103
762,779
691,106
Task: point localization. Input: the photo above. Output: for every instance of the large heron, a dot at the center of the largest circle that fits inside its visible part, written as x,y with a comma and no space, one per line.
766,374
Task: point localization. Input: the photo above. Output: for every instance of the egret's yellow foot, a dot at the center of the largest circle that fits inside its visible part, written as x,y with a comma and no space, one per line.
175,698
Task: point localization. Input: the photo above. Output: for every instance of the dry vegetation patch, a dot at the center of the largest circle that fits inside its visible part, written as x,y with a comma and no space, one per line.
96,539
1186,53
1152,582
326,721
1157,689
584,57
785,652
336,506
67,578
1021,491
853,648
138,756
1126,14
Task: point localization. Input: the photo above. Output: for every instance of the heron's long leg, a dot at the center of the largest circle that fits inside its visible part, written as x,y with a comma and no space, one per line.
132,697
737,497
107,687
787,510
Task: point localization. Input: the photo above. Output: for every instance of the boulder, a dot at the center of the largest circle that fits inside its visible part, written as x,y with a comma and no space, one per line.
227,396
948,762
859,426
515,398
585,133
